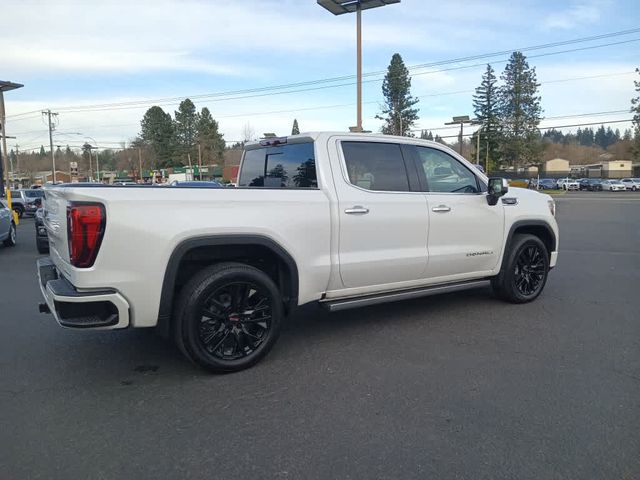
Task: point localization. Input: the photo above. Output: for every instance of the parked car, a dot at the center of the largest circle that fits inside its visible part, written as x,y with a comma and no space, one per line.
7,226
18,203
223,269
591,184
631,183
547,184
613,185
42,239
568,184
24,201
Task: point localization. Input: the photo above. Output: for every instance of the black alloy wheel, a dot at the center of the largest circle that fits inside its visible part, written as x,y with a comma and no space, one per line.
235,320
529,270
524,271
228,317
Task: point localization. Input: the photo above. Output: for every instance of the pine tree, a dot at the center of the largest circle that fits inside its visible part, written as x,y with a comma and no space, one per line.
426,135
42,151
211,141
398,112
295,130
635,109
520,112
186,121
485,107
600,137
157,131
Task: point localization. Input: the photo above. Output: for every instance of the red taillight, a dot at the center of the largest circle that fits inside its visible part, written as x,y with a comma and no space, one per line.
85,227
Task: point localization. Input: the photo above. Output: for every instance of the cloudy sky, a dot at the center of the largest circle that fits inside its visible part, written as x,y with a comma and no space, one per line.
102,64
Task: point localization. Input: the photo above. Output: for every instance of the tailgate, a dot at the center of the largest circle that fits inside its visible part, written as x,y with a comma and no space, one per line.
55,221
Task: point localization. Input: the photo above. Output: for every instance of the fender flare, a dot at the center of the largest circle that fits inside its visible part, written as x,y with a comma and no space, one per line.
171,272
528,223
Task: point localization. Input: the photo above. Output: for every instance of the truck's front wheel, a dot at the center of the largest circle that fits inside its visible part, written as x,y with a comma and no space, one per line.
524,271
228,317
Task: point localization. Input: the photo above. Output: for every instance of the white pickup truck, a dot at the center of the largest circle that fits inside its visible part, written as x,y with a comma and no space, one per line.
345,220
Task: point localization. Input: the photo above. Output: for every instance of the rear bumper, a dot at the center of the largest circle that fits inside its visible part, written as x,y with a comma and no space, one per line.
96,309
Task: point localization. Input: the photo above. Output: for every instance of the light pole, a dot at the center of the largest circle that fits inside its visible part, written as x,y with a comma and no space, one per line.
340,7
460,120
4,178
91,147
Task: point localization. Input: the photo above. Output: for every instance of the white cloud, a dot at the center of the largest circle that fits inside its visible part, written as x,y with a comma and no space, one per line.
577,15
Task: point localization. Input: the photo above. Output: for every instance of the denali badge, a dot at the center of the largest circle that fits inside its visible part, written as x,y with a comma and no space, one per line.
476,254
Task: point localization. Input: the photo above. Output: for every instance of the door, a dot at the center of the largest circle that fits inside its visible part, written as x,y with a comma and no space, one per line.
5,221
383,224
465,232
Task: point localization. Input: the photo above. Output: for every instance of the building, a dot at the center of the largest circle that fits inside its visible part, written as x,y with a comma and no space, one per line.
605,169
556,167
616,169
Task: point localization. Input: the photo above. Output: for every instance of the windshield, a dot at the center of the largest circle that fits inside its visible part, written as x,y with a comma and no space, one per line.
34,193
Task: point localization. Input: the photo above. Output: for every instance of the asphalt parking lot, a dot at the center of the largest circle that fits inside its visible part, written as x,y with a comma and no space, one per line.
452,387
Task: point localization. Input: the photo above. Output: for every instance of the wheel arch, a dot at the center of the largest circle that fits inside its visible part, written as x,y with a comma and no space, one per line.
249,244
539,228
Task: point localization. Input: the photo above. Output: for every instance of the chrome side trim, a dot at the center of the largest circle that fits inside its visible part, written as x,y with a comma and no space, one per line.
356,302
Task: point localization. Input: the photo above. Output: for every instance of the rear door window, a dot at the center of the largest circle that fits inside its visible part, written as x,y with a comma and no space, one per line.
285,166
376,166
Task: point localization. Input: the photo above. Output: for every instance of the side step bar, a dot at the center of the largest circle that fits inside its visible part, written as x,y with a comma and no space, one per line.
355,302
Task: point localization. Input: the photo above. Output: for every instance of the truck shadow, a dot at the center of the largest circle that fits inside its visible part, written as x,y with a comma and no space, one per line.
141,355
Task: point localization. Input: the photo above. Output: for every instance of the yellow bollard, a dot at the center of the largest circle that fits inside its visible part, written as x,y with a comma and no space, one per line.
16,219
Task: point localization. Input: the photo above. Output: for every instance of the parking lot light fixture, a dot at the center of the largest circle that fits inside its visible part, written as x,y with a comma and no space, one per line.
340,7
460,120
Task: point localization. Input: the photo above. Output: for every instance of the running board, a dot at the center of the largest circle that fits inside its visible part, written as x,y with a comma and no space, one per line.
355,302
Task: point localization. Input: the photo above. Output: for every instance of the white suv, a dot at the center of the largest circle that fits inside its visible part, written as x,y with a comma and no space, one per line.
631,183
568,184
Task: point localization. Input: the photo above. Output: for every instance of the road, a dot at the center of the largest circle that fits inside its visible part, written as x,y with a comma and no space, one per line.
460,386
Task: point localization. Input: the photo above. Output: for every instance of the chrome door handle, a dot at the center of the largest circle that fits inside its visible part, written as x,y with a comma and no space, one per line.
356,210
441,209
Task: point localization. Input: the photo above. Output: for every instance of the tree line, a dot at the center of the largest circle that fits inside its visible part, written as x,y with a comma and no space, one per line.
508,110
186,138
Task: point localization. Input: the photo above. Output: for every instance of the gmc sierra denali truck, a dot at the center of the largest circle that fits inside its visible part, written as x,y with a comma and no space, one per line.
345,220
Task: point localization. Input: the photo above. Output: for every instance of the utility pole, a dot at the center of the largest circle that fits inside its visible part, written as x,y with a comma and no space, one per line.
97,166
199,161
17,158
50,114
190,167
140,163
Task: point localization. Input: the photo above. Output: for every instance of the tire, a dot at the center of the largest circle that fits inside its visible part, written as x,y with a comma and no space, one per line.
511,283
19,211
211,325
11,239
43,247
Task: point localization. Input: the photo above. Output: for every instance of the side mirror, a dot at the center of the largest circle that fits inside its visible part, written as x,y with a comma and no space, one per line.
497,188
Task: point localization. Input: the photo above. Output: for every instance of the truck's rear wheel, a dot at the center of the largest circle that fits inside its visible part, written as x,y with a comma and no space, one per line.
228,317
524,271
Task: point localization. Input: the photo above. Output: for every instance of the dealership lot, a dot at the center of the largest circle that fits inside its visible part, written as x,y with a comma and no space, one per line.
431,388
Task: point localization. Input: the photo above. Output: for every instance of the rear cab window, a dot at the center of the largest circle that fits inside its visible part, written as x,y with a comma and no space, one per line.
285,166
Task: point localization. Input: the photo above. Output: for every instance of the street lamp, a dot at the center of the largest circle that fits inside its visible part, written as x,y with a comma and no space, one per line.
460,120
5,87
91,147
340,7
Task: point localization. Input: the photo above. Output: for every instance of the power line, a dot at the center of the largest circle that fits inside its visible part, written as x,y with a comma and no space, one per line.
237,94
322,87
344,105
550,128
